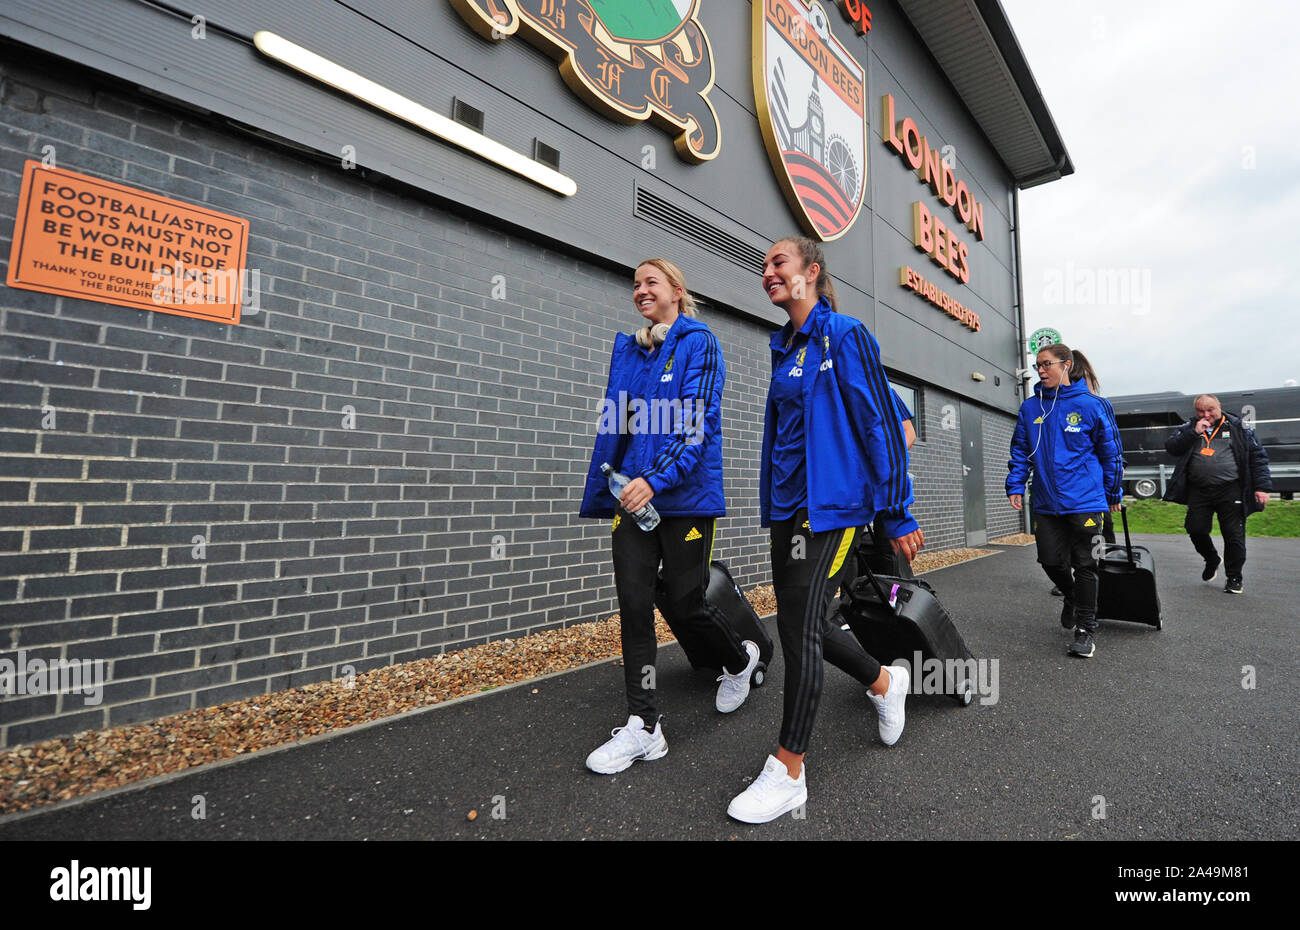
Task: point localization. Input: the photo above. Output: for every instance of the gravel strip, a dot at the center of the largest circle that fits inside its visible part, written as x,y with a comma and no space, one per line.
929,561
1015,539
55,770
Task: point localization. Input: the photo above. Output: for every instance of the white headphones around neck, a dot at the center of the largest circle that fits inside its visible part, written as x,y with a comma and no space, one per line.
647,337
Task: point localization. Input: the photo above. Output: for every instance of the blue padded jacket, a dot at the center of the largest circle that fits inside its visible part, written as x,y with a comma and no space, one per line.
1071,441
680,417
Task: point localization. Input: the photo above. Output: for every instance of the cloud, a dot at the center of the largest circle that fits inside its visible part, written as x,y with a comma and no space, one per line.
1179,121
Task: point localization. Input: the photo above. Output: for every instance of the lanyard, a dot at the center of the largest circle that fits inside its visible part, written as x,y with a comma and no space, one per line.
1208,440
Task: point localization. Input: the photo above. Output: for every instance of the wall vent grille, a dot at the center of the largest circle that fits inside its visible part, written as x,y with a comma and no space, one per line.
546,154
466,115
654,209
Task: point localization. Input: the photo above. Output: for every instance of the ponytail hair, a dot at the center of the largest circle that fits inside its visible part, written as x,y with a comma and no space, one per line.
810,252
1081,370
646,335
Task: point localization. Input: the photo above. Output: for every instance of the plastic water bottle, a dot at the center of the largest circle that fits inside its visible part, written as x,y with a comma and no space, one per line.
647,517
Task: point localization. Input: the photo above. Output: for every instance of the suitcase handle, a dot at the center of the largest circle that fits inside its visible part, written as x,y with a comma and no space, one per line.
1128,542
880,592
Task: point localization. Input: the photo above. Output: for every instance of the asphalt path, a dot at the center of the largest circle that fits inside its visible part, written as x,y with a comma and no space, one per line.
1163,732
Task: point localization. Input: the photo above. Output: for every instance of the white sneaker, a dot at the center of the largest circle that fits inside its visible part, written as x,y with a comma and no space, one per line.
772,794
629,744
890,705
735,688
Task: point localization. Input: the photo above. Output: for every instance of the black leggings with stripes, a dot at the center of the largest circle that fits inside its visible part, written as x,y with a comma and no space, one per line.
683,545
807,569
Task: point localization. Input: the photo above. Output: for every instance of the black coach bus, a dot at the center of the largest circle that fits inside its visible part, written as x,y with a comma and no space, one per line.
1146,420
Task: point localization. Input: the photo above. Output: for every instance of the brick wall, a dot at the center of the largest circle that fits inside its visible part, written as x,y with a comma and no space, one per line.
220,511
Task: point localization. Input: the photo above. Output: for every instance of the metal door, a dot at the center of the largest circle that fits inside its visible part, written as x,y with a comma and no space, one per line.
972,466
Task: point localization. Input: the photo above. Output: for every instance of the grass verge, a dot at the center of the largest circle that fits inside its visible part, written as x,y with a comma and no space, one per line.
1280,518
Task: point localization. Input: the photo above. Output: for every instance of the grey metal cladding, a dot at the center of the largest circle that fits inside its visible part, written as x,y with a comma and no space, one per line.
428,53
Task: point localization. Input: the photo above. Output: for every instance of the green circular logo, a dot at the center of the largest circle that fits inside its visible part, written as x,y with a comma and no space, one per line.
1042,338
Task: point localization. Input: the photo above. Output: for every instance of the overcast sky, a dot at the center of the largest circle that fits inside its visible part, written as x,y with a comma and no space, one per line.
1172,254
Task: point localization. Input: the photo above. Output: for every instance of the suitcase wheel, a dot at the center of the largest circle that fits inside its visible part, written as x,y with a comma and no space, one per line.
965,694
760,675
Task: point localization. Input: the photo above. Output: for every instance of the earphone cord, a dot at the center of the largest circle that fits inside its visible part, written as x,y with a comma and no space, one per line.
1042,420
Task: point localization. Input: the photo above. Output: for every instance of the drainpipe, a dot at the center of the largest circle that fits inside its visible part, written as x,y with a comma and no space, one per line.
1023,387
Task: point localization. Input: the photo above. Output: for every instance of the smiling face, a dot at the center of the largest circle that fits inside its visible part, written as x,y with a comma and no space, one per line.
1055,372
785,279
655,297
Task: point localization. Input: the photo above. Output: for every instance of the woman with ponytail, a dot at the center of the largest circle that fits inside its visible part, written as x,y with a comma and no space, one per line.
1067,437
661,427
834,457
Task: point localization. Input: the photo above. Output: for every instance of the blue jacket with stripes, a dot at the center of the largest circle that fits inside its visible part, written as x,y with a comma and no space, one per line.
681,417
1071,441
855,451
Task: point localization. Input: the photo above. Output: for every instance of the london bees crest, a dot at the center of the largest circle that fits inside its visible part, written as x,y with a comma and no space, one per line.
811,98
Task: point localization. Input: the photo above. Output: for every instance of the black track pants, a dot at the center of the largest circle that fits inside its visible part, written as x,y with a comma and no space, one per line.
807,569
843,650
684,545
841,647
1073,541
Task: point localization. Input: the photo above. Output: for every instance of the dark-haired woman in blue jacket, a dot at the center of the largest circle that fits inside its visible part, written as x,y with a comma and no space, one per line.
1067,435
661,426
834,457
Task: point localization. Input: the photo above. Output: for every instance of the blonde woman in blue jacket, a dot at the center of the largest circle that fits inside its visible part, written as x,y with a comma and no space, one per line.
661,426
834,457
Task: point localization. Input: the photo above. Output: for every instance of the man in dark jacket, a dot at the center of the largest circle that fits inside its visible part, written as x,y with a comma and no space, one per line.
1222,469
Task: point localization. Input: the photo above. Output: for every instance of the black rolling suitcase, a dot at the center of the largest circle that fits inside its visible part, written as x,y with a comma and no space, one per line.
873,553
725,595
1126,583
895,618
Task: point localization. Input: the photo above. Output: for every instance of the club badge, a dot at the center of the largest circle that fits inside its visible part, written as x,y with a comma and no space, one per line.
648,60
811,99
